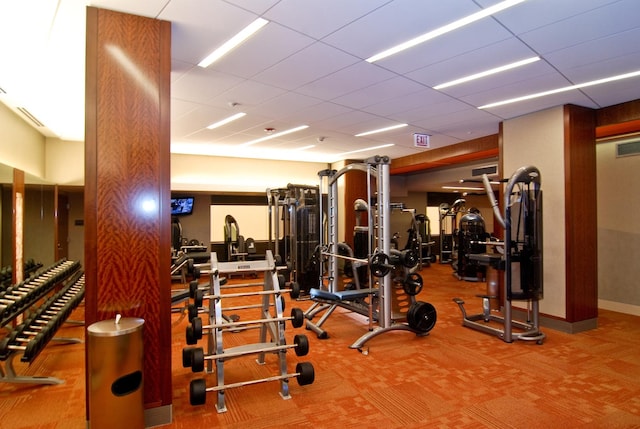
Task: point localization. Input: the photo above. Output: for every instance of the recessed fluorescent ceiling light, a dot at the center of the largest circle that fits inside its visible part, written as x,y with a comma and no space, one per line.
366,149
380,130
236,40
226,121
443,30
487,73
564,89
273,136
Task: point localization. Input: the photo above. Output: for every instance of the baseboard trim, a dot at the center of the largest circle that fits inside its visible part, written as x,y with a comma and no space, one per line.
558,324
619,307
158,416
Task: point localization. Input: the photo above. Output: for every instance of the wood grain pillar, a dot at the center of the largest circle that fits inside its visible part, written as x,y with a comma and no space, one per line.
127,184
17,226
581,224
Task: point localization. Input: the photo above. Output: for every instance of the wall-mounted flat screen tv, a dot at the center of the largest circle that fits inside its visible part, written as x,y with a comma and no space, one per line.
181,206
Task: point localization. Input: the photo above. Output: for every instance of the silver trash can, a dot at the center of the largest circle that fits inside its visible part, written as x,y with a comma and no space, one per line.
115,362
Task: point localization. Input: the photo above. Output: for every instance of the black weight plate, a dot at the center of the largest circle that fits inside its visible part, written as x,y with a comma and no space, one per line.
422,316
198,392
302,345
306,373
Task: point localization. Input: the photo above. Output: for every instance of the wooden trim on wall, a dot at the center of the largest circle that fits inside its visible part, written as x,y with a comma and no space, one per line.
580,208
448,156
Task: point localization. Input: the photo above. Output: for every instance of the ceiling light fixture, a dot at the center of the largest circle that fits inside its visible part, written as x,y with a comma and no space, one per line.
232,43
487,73
445,29
380,130
367,149
272,136
226,120
564,89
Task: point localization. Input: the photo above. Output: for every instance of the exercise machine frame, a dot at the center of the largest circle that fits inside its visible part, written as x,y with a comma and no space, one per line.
376,167
521,262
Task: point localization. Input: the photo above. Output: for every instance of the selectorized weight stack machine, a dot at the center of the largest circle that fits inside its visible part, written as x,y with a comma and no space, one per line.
295,210
520,261
375,302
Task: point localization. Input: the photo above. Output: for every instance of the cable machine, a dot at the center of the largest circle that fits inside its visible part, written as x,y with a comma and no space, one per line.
520,260
295,209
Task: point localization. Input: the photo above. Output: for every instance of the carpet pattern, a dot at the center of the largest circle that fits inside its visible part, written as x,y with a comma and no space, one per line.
454,377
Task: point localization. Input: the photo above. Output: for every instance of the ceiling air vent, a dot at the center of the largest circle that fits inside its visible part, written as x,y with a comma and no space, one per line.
32,118
628,149
489,170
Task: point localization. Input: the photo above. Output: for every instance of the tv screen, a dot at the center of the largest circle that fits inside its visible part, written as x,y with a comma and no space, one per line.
181,206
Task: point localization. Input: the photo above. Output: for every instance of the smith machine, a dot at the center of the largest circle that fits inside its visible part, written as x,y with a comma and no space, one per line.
375,301
519,258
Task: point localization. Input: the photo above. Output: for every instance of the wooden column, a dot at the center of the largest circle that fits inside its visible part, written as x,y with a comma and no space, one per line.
127,184
580,214
17,226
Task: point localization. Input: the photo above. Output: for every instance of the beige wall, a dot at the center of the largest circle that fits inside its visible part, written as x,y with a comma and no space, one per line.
538,139
21,146
64,162
208,173
618,230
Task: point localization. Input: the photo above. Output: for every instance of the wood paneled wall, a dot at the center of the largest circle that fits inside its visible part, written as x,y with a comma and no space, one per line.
127,183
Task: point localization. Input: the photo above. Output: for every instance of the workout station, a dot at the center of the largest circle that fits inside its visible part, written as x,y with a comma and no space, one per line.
518,257
389,307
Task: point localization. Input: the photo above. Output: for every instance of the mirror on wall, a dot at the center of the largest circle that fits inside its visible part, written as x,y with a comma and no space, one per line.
38,219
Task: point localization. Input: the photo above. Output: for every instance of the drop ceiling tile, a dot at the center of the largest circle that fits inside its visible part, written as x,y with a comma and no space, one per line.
311,63
497,54
471,37
202,27
533,14
318,19
273,44
376,93
200,85
346,80
394,23
584,27
595,52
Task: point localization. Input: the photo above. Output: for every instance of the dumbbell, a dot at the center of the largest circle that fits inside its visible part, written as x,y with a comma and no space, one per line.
200,296
198,389
30,350
194,357
194,330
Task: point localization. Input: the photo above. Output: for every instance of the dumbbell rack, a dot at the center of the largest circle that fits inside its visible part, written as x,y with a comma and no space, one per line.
272,321
44,301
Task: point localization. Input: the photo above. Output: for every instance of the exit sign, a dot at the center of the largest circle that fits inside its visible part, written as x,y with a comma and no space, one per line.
421,140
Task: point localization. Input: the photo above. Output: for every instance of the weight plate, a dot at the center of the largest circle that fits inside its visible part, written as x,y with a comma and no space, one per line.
422,316
302,345
306,373
198,392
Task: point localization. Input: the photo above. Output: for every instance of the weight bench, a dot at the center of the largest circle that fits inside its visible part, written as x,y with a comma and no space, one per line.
352,300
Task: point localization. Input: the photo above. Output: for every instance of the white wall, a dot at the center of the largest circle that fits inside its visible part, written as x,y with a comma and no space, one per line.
538,139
